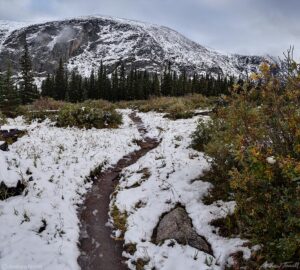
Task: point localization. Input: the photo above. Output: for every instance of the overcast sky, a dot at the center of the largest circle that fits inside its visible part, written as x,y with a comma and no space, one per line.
233,26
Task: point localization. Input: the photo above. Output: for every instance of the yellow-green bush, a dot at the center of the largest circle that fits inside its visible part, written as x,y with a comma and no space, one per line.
254,146
78,115
40,115
41,109
45,104
174,107
203,134
99,104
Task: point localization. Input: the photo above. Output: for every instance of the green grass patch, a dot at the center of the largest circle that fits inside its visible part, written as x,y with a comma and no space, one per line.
119,219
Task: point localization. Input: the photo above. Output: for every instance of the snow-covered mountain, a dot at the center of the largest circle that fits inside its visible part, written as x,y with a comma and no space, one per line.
86,41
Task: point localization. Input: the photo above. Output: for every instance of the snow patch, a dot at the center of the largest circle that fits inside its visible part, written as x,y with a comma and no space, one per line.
174,177
54,163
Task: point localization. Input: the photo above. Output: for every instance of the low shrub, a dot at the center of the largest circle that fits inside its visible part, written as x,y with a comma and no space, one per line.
46,104
99,104
41,109
211,137
76,115
202,135
40,116
174,107
254,147
227,226
133,104
179,110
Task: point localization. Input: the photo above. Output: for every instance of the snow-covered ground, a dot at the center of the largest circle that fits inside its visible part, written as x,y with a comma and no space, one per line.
40,229
53,163
7,27
171,169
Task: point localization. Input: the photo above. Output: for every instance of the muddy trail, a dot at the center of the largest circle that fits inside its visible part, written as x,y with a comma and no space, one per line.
98,249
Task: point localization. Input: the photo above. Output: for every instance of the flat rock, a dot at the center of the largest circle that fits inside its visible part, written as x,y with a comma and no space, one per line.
177,225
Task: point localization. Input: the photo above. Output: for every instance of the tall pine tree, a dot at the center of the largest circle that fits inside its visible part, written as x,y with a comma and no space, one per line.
47,87
60,82
9,99
28,90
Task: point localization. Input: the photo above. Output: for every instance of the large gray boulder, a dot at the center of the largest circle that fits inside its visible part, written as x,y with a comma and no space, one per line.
177,225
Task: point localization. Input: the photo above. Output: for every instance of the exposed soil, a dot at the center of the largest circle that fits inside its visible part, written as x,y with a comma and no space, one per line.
98,249
10,137
7,192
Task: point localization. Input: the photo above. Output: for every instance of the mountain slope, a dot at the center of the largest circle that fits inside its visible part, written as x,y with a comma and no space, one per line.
85,42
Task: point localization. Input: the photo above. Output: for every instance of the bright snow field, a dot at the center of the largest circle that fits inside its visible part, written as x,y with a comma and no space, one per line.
173,177
54,163
40,229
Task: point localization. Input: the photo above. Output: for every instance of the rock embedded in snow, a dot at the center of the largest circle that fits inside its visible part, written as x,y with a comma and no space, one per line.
177,225
3,146
172,168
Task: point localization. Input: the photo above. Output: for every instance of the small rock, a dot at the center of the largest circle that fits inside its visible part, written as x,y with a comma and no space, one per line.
177,225
3,146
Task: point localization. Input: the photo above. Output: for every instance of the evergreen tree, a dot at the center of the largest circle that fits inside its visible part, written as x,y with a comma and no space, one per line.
155,89
122,91
28,90
66,84
85,87
130,85
92,86
146,85
166,85
100,82
9,99
136,85
75,88
184,87
115,86
106,85
195,84
60,82
48,87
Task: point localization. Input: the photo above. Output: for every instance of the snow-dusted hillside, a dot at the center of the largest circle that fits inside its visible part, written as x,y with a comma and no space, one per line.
83,42
7,27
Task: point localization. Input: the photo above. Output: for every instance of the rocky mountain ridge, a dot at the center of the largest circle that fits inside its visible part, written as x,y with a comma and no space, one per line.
86,41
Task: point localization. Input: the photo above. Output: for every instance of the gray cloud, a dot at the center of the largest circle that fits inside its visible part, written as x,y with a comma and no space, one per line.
235,26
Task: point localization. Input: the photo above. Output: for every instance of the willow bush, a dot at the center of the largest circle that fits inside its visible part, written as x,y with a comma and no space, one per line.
77,115
254,148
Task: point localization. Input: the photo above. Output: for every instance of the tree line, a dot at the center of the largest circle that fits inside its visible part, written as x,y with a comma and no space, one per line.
13,95
121,84
132,85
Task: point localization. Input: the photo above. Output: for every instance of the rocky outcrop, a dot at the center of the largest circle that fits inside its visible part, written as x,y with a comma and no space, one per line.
177,225
85,42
